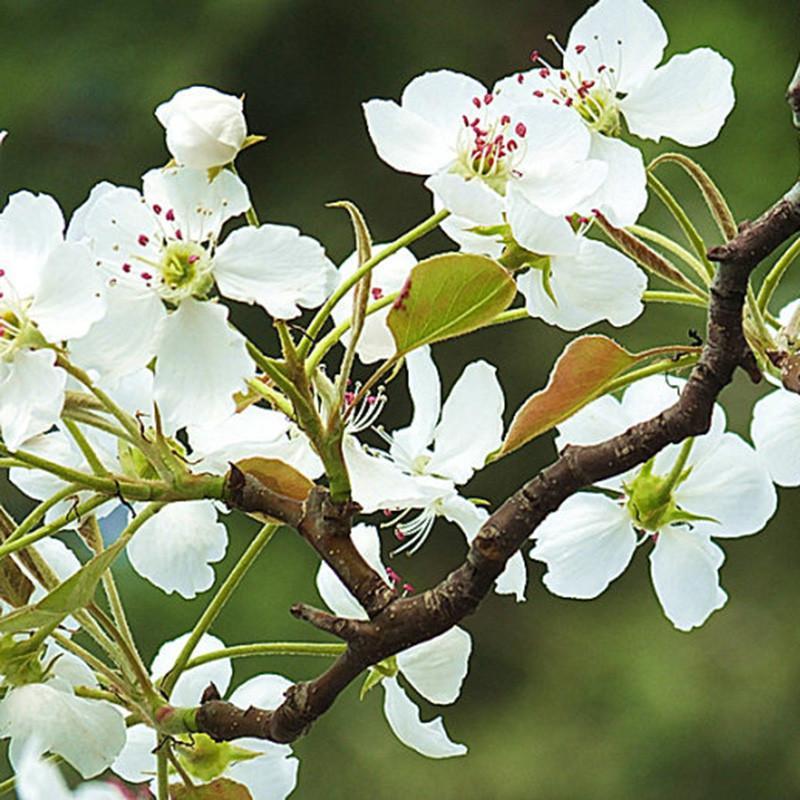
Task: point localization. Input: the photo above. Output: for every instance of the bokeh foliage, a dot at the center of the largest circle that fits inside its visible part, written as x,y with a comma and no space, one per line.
565,700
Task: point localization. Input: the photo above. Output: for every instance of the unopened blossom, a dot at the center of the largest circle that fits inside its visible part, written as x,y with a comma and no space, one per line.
566,278
442,449
40,779
448,123
49,292
161,254
609,73
714,486
268,770
376,341
436,668
205,127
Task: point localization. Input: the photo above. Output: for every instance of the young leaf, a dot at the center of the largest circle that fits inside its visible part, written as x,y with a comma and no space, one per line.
582,372
447,296
220,789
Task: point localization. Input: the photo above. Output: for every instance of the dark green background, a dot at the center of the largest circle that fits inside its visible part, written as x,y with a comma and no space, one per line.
565,700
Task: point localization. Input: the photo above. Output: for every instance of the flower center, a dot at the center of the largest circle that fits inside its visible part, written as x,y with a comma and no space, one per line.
185,271
490,146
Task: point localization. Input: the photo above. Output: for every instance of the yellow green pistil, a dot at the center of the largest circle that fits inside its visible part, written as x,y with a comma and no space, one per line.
651,502
185,271
206,759
600,110
16,332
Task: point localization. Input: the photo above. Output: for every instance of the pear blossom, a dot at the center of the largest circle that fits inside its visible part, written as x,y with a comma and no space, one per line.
436,668
49,292
775,430
39,779
46,715
448,123
714,486
205,127
268,770
162,247
444,446
567,279
376,341
610,71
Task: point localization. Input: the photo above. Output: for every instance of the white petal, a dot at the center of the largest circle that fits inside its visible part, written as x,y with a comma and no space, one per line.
263,691
625,35
442,97
471,199
110,347
271,776
56,447
468,516
428,738
77,231
243,435
597,283
86,733
31,396
296,451
136,762
31,226
563,188
189,687
174,549
437,668
39,779
732,485
688,99
376,342
684,567
275,267
514,578
536,231
405,141
201,363
471,426
555,135
623,194
200,206
425,389
70,297
586,544
776,434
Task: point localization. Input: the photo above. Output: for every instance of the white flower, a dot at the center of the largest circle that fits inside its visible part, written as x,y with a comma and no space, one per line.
38,779
610,70
775,430
574,281
714,486
205,127
162,246
268,770
436,668
376,342
450,123
49,292
441,449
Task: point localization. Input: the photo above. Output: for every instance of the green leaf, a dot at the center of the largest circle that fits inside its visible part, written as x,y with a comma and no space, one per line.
75,592
583,370
220,789
447,296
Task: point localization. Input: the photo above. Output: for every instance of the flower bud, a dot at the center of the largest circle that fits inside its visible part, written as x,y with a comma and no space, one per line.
205,128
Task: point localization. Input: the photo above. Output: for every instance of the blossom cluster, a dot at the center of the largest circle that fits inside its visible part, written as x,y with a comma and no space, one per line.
126,392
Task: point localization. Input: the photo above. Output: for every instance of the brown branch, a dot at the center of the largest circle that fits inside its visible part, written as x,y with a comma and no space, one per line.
397,623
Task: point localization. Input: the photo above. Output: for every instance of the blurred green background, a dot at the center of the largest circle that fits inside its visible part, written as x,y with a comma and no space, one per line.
565,700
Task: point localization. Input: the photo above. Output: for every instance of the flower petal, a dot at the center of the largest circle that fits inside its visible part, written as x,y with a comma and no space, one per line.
471,199
275,267
586,544
263,691
270,776
201,363
428,738
625,35
189,687
471,426
684,567
688,99
437,668
136,762
442,98
536,231
31,395
775,431
560,189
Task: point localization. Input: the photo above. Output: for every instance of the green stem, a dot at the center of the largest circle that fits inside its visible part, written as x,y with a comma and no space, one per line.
322,315
95,421
89,454
672,247
774,276
657,368
680,298
514,315
675,474
757,317
161,768
689,230
101,668
7,785
41,510
98,694
212,611
317,649
275,399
